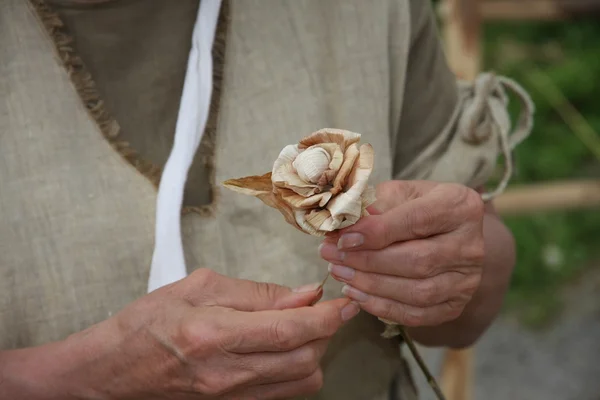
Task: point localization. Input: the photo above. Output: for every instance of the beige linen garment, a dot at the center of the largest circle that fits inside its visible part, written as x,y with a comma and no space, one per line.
76,218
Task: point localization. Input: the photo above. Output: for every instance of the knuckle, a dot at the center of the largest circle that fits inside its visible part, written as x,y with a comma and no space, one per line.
453,310
314,383
387,310
473,203
474,251
366,258
198,338
471,284
212,384
308,359
415,317
418,223
203,277
265,290
328,325
228,341
382,233
423,259
391,192
369,283
425,292
282,333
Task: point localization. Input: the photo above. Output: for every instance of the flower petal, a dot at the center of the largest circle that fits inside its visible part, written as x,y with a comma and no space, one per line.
297,201
368,198
289,179
312,163
303,218
335,153
350,157
286,156
285,210
347,207
362,169
329,135
283,174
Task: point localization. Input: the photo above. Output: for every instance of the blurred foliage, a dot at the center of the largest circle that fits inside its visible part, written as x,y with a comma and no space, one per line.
553,247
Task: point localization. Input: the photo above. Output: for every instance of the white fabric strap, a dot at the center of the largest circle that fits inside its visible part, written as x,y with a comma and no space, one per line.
168,262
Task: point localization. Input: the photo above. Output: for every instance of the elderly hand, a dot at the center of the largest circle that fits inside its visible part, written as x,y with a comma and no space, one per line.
418,260
204,337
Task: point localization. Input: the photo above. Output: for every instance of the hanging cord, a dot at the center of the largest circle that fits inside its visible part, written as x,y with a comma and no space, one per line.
168,262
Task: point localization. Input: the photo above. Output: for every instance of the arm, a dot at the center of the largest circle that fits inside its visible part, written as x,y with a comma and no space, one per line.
51,371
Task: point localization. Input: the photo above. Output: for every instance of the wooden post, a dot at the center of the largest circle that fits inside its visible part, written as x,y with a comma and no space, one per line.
457,374
462,34
538,10
462,31
526,199
462,22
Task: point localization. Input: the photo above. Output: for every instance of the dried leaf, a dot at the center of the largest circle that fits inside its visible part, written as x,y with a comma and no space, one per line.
251,185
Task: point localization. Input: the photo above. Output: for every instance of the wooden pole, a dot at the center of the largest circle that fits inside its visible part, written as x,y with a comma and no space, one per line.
457,374
462,30
462,33
530,198
535,10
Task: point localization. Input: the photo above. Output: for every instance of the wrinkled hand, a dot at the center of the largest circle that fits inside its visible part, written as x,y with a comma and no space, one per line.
213,337
418,260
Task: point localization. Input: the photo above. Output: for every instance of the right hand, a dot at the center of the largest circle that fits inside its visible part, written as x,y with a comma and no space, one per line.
212,337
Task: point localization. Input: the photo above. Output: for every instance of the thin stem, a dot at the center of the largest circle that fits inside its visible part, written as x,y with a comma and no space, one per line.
413,349
324,280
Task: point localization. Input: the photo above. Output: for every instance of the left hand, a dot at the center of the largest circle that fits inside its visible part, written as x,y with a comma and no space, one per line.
417,260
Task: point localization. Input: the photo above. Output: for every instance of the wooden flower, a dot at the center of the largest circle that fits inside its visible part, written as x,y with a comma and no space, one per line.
319,184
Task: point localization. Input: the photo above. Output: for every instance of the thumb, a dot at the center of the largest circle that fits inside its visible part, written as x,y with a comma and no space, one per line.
248,295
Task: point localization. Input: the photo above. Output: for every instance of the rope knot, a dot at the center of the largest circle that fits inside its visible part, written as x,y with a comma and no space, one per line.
485,117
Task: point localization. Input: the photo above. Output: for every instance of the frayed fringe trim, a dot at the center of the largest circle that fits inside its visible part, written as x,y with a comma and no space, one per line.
109,127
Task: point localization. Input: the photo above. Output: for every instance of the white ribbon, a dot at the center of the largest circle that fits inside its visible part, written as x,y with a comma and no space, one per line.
168,262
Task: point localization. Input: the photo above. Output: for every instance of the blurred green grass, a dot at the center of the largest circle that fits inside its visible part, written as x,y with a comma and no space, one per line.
553,247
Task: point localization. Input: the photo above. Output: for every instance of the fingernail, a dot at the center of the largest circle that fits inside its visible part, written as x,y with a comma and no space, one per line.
341,271
330,252
350,241
355,294
320,248
350,311
307,288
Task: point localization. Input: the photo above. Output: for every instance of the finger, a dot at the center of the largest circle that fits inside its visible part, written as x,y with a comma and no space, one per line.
414,259
287,366
283,330
436,213
405,314
334,236
415,292
205,286
279,391
392,193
